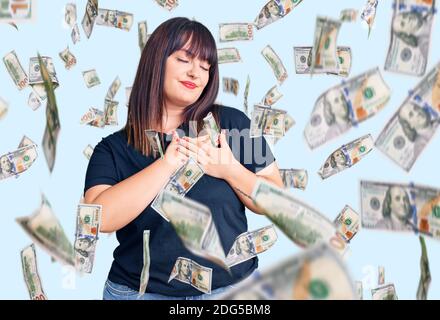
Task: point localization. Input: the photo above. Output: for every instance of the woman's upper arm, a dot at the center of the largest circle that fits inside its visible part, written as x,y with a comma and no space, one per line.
94,192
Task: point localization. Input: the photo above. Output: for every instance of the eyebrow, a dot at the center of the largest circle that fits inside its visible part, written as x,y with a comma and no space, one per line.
191,55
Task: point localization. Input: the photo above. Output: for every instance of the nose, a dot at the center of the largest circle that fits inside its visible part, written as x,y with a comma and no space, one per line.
192,71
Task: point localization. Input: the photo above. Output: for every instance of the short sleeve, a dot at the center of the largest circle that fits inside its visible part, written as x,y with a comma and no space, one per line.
254,153
101,168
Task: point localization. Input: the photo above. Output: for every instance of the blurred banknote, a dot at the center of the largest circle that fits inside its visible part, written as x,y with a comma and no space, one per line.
88,220
193,223
294,178
246,95
145,274
275,63
384,292
272,96
359,290
273,11
30,273
113,89
45,230
236,31
168,4
413,126
228,55
324,51
410,36
36,80
398,207
18,161
15,70
302,224
68,58
248,244
230,85
347,223
346,156
70,14
91,78
88,151
15,11
142,34
211,127
348,15
114,19
154,143
190,272
381,275
425,273
303,61
316,274
111,112
369,13
267,121
89,18
179,183
344,106
4,106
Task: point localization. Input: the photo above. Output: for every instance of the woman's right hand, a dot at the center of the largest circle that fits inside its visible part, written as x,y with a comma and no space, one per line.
172,156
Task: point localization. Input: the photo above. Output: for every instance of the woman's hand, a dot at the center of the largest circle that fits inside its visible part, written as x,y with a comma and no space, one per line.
172,156
215,161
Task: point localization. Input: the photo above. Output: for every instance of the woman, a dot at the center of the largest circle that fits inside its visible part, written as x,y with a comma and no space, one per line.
175,87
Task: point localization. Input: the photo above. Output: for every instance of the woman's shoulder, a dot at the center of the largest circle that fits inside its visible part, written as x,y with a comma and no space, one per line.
114,140
230,116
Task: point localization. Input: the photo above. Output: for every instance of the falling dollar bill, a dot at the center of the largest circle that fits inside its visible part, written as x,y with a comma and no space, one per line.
91,78
369,13
12,11
346,105
348,15
381,275
347,223
236,32
410,36
68,58
425,273
88,220
359,290
294,178
272,96
34,101
30,273
52,129
154,143
267,121
18,161
273,11
142,34
179,183
168,4
193,223
36,80
145,274
4,107
248,244
88,151
303,61
15,70
275,63
398,207
228,55
111,112
70,14
324,51
115,19
75,35
317,273
127,95
212,128
89,18
230,85
190,272
384,292
246,95
302,224
45,230
346,156
412,127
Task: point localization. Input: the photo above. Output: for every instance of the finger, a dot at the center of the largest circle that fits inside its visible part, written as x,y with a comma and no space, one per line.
222,138
195,155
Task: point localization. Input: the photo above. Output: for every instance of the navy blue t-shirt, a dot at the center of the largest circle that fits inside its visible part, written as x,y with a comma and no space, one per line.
114,160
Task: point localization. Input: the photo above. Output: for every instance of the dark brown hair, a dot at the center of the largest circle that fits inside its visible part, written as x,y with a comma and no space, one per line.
146,104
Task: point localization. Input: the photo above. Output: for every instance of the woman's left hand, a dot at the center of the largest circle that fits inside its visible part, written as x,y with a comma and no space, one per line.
215,161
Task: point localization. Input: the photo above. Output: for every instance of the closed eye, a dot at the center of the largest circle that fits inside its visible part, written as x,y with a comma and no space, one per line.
182,60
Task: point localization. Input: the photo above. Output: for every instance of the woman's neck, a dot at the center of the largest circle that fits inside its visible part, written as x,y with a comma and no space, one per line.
173,117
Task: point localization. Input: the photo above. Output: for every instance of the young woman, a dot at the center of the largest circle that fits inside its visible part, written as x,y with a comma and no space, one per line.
175,87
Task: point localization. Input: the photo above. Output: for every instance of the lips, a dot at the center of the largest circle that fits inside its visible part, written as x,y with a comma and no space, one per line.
189,84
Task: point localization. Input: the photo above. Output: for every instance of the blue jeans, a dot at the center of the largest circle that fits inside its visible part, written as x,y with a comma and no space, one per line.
115,291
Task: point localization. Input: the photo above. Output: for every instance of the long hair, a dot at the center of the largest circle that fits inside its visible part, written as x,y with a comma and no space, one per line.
146,104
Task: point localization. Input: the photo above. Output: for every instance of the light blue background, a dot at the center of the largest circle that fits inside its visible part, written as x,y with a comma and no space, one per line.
115,52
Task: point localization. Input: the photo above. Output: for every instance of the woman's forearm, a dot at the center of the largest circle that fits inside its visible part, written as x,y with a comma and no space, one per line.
124,201
243,181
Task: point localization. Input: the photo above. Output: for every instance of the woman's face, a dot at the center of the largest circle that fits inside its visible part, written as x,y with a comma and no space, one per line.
185,78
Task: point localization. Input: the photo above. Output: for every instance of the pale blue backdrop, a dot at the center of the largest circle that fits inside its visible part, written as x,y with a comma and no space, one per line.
115,52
